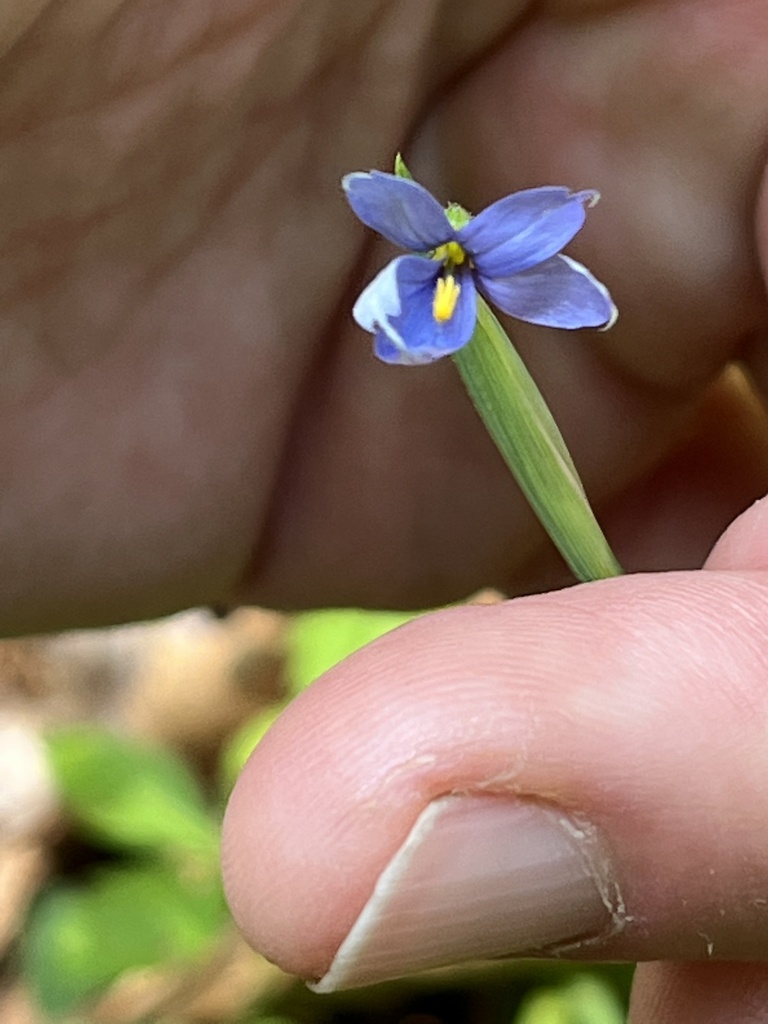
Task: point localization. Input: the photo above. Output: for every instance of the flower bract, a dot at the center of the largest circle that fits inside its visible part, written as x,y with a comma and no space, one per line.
423,305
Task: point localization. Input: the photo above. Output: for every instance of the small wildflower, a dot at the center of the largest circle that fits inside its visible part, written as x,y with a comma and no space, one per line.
420,309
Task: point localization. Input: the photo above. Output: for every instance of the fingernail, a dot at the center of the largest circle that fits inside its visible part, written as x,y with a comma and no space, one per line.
478,877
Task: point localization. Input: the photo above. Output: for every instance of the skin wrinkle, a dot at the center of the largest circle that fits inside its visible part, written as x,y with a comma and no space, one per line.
225,185
646,634
110,111
239,173
113,109
104,218
303,173
120,66
130,59
19,19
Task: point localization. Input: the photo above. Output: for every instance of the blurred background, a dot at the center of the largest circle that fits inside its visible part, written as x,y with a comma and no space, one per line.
118,749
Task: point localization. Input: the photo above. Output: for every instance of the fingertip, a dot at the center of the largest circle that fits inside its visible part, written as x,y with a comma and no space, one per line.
744,544
627,706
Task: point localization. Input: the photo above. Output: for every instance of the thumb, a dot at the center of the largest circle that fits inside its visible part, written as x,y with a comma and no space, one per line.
580,773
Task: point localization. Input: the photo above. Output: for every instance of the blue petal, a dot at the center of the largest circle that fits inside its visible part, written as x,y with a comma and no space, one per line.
524,229
415,337
381,301
397,307
557,293
399,209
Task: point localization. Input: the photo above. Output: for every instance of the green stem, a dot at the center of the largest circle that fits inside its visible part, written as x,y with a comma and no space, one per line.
527,436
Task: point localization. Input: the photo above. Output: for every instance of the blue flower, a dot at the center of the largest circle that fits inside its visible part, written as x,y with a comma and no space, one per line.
420,309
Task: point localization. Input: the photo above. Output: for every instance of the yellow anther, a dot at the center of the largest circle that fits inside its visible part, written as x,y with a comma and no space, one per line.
446,296
451,253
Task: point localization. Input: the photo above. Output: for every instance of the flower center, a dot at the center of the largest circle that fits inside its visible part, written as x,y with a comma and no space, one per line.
447,293
450,253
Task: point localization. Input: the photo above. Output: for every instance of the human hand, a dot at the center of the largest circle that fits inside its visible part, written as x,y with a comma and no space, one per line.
176,256
189,414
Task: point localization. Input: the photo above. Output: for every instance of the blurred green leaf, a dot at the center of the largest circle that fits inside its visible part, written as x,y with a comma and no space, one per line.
82,938
316,642
319,640
584,999
130,795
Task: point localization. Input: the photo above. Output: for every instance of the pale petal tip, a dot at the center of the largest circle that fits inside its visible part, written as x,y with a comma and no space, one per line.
614,317
346,181
589,196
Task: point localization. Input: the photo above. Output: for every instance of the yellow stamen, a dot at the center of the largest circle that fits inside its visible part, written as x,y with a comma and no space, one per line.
451,253
446,296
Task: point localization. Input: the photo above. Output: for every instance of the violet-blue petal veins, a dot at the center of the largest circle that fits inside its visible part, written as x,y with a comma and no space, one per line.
414,335
517,212
399,209
557,293
523,229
